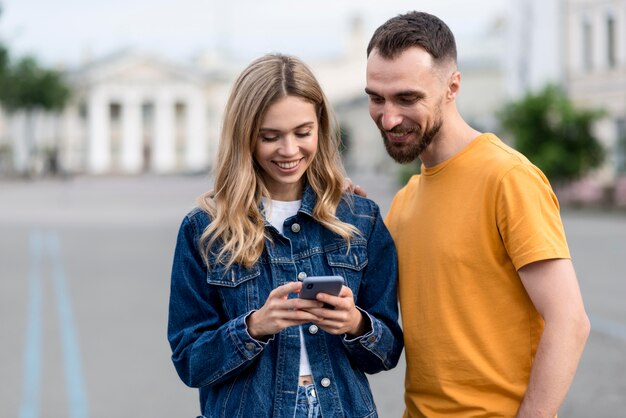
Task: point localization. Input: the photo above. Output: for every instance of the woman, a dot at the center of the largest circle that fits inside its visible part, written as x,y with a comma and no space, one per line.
278,214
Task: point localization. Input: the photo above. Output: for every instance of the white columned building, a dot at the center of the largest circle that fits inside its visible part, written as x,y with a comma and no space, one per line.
197,150
132,144
143,115
164,151
99,140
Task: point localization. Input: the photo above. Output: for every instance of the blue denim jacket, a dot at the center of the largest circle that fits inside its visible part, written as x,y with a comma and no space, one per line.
239,376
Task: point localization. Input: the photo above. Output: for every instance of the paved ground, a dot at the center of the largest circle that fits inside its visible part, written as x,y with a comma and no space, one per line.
84,276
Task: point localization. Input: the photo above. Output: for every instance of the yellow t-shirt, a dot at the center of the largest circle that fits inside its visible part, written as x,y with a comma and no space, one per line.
462,229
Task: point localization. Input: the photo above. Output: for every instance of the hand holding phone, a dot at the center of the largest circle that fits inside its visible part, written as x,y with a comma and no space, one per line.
313,285
351,321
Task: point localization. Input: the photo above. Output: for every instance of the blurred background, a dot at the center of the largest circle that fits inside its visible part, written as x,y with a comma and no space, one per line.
109,122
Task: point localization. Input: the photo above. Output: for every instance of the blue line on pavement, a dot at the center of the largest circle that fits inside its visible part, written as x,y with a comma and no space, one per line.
608,327
76,396
32,353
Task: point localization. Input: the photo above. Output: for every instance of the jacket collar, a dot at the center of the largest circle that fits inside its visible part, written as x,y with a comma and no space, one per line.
308,203
308,200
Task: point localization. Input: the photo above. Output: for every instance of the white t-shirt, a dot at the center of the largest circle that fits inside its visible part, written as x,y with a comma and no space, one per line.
276,214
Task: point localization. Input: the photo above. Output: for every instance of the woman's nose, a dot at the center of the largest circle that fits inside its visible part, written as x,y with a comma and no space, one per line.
289,146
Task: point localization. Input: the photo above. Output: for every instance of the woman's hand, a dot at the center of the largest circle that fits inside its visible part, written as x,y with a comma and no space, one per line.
344,319
280,312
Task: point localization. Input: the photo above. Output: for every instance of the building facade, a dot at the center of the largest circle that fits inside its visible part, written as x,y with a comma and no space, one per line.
581,46
595,62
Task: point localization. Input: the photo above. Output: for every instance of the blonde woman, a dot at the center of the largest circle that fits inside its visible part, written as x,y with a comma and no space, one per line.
277,214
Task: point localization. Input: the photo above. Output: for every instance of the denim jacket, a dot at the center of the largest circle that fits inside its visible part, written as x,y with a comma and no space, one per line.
240,376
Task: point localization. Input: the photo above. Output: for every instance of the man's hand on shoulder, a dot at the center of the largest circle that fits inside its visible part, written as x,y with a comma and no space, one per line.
349,186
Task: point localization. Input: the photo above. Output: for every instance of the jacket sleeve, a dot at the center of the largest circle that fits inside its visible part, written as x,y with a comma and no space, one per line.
380,348
207,347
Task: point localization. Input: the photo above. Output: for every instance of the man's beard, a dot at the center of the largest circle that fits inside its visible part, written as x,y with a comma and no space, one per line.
407,152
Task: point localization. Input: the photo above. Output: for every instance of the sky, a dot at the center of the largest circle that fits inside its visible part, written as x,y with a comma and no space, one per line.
66,32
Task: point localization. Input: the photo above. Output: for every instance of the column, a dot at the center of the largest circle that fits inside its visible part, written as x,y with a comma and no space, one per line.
573,41
599,39
620,39
98,134
132,157
69,140
164,152
17,122
196,144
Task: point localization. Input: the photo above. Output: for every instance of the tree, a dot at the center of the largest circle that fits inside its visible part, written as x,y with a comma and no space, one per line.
4,61
26,86
556,136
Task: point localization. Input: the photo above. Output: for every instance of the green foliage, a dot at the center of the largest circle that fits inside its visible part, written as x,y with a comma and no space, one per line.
4,60
553,134
26,85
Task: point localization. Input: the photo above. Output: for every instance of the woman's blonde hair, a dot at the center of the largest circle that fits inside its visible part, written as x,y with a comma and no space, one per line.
237,223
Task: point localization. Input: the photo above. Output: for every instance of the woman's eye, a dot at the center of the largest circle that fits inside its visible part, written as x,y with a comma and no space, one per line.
303,134
269,138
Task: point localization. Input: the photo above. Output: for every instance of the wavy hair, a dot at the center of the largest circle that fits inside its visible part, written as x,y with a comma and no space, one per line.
237,227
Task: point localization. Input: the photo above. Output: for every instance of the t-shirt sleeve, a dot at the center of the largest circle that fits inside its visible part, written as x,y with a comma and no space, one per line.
528,217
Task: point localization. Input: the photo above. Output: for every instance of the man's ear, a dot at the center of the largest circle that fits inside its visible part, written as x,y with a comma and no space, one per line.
454,85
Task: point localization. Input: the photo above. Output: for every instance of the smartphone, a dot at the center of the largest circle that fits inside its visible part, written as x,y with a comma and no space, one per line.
313,285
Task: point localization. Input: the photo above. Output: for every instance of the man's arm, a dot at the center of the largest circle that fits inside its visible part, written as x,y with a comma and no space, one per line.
553,289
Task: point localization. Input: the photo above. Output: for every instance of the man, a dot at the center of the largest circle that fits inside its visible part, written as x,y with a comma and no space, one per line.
493,319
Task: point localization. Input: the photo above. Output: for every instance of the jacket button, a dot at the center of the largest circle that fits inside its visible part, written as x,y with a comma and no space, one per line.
301,276
250,346
313,329
295,228
325,382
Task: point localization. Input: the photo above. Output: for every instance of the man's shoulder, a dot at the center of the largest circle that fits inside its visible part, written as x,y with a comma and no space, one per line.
501,155
410,185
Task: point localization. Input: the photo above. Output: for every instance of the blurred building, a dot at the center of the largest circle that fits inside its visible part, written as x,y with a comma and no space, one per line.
134,113
595,63
129,113
483,76
580,45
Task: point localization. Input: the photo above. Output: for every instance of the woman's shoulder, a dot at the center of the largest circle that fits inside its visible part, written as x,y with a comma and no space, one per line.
197,218
355,205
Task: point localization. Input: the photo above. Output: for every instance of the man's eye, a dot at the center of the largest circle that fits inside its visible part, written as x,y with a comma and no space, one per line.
407,100
376,100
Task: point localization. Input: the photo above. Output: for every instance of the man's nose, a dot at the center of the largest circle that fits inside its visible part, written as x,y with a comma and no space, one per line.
390,117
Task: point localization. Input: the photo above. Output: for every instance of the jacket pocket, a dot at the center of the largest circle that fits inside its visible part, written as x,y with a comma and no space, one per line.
237,287
348,263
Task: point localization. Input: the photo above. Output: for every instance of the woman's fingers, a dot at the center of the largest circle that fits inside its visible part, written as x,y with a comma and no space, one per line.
282,292
344,318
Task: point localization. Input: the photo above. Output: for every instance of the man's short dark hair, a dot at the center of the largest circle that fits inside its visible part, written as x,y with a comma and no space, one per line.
414,29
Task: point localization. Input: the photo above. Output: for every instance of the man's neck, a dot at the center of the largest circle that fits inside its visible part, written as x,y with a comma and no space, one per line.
448,143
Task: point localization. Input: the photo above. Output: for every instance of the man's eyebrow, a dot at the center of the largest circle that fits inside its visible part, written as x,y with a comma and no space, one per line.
406,93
